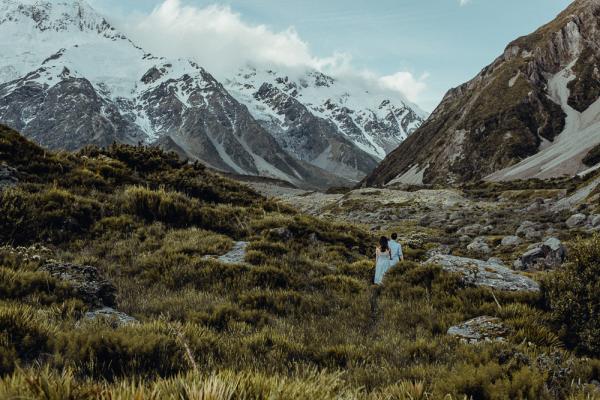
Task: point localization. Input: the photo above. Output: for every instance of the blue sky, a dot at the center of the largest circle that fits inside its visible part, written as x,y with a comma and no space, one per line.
433,44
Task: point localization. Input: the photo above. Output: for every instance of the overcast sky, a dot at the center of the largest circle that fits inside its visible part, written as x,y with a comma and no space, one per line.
420,47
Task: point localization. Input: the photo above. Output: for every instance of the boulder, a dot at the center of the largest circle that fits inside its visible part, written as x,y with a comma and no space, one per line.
594,220
511,241
236,255
87,281
464,239
479,246
470,230
576,220
541,256
112,316
529,230
8,177
482,273
441,249
480,329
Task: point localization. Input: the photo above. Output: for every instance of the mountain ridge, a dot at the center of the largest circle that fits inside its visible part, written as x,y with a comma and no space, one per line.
508,112
70,79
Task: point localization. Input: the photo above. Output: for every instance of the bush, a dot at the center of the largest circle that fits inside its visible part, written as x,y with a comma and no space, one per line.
160,205
24,336
268,277
572,295
52,214
101,352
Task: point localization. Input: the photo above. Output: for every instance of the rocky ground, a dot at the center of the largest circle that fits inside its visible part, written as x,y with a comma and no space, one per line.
503,239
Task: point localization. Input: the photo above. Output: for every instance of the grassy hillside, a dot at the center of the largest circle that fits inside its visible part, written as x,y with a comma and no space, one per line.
299,319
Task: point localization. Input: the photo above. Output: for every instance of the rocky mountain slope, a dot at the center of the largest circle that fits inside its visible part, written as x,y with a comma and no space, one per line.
337,124
533,113
68,78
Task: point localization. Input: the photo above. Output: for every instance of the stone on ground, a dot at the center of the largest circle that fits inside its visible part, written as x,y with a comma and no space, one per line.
483,273
236,255
511,241
541,256
480,329
479,246
91,287
576,220
111,315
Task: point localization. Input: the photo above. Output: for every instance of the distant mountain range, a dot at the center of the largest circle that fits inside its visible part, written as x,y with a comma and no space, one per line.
533,113
69,79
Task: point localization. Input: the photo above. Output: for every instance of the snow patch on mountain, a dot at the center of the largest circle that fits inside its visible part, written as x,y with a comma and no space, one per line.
375,120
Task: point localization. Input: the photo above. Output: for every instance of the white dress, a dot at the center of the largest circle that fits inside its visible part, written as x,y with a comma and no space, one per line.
383,264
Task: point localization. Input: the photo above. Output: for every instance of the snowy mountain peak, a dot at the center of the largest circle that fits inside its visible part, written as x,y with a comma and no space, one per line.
377,121
56,15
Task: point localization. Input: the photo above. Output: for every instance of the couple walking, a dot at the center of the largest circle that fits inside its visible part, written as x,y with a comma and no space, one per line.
389,253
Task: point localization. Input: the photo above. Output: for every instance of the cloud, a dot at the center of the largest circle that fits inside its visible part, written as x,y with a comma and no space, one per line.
220,40
406,83
463,2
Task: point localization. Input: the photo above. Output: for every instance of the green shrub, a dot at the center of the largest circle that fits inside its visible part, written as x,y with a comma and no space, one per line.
160,205
45,289
572,295
24,336
101,352
269,277
271,249
52,214
282,302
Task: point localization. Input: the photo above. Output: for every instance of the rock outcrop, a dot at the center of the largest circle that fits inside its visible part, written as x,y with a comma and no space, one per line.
480,329
482,273
91,287
110,316
541,256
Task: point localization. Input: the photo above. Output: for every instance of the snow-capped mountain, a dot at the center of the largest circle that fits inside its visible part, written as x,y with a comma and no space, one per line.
69,79
375,120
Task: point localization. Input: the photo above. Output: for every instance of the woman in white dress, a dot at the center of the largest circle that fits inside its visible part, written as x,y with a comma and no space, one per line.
383,260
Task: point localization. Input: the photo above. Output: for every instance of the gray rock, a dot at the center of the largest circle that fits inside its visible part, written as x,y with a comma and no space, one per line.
479,246
495,260
529,230
480,329
464,239
236,255
457,216
594,220
8,176
441,249
541,256
511,241
576,220
487,229
89,284
482,273
114,317
470,230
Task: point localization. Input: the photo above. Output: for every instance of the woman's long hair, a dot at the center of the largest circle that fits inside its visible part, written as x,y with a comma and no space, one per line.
383,244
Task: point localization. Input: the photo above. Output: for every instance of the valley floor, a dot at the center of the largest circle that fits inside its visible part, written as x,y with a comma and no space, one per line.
126,273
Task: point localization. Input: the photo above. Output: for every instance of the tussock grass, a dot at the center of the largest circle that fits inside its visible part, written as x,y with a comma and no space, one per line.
298,319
